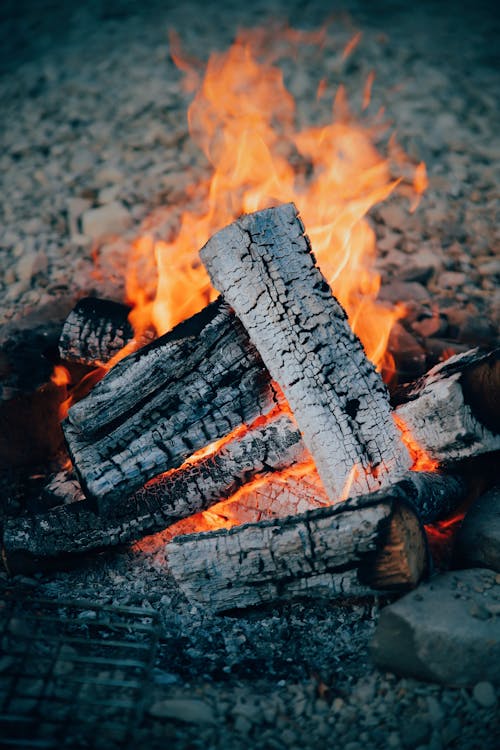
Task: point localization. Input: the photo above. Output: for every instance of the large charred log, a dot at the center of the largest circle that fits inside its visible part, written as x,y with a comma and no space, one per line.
49,539
161,404
75,528
263,265
369,544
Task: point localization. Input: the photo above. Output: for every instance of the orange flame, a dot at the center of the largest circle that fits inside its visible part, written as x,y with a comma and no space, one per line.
60,375
421,459
243,119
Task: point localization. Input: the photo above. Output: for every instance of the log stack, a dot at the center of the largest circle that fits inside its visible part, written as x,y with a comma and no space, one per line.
273,373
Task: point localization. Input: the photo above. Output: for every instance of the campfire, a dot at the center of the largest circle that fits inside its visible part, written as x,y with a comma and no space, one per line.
263,408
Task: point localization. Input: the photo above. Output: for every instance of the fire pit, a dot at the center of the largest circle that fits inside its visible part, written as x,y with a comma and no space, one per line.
261,415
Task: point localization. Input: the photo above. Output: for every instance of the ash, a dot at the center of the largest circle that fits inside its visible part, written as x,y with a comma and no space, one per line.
94,115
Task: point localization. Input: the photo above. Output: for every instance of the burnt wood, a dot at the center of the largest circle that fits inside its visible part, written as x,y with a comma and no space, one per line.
161,404
263,265
445,413
368,544
75,528
95,331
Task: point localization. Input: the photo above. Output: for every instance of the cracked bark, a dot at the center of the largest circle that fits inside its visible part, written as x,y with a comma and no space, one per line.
371,543
94,331
161,404
263,265
445,412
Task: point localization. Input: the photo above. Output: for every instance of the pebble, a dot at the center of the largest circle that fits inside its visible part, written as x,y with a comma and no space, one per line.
111,219
484,694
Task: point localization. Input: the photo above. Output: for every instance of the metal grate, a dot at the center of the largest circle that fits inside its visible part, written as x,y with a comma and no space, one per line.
72,673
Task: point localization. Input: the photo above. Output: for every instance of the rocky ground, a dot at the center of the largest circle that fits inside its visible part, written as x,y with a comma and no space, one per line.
94,118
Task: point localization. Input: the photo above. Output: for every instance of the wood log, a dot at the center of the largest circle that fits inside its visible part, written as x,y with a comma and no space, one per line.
163,403
444,411
95,331
371,543
75,528
263,265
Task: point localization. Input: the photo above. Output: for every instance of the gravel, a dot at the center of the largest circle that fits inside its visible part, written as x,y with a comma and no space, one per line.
94,121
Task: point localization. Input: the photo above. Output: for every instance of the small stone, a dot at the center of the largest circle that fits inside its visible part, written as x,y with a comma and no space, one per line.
24,267
484,694
435,711
404,291
188,710
393,740
451,279
108,194
75,207
112,219
109,176
490,268
414,733
393,216
421,265
337,705
242,725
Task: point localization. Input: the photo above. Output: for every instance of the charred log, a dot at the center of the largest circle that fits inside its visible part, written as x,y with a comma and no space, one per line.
163,403
95,331
452,412
75,528
263,265
368,544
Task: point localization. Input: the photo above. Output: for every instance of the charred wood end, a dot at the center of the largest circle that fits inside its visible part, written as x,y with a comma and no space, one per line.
94,331
401,557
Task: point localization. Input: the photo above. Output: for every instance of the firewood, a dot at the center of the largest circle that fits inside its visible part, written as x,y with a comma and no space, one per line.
369,544
444,410
263,265
95,331
75,528
161,404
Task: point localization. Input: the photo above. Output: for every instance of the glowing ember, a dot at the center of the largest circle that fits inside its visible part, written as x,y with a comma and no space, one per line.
60,375
421,459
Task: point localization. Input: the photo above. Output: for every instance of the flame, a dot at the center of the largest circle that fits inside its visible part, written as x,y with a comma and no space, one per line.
243,118
422,461
60,375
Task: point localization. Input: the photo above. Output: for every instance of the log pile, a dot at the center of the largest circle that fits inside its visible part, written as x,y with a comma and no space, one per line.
272,371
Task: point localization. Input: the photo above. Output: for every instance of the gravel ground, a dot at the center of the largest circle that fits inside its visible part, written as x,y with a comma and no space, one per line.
93,112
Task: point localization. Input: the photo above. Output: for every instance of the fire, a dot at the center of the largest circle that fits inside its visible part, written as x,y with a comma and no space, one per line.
421,459
244,120
60,375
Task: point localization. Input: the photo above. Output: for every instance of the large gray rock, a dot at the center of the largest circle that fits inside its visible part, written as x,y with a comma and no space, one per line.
447,630
478,541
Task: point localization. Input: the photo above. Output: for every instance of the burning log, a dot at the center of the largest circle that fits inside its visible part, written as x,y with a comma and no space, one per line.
161,404
445,410
263,265
166,401
95,331
75,528
368,544
34,542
